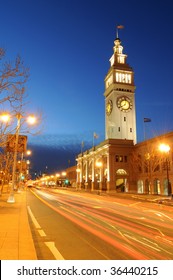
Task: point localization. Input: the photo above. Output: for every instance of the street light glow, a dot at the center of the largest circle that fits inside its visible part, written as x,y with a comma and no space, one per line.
31,119
78,170
99,164
5,117
164,148
28,152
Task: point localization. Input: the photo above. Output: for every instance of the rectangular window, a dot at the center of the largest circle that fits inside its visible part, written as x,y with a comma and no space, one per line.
120,158
129,78
116,158
125,158
130,129
124,119
116,77
119,128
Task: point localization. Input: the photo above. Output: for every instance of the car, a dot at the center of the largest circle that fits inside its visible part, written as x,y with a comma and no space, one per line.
29,184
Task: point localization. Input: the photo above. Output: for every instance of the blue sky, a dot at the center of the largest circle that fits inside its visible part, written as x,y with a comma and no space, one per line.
67,45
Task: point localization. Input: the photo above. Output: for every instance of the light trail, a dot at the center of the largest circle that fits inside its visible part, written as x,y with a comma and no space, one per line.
116,224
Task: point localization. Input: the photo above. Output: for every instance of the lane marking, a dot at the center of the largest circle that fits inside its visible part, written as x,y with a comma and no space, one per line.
36,224
54,250
41,232
50,245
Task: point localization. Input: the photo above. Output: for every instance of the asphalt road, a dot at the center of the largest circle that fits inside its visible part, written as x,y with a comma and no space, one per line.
76,226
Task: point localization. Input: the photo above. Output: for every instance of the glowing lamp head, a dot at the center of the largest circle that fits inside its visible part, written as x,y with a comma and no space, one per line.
28,152
5,117
31,119
99,164
164,148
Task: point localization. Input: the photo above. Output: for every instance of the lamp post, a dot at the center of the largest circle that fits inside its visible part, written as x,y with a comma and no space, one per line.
31,120
28,153
11,196
63,176
164,148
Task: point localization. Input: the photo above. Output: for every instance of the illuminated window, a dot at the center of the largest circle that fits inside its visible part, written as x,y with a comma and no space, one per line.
121,172
123,78
120,158
120,59
129,80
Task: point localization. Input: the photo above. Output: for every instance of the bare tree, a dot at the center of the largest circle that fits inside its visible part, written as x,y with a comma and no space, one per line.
13,79
147,162
6,161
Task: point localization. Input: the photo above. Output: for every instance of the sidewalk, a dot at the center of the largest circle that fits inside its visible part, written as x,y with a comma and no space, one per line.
16,241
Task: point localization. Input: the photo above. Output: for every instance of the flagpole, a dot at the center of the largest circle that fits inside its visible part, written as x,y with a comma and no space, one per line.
95,136
145,120
82,145
117,31
144,130
118,27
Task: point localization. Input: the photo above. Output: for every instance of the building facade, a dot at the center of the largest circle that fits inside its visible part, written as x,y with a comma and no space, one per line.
118,163
152,161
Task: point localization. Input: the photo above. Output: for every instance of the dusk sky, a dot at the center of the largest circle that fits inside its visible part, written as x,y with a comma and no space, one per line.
67,45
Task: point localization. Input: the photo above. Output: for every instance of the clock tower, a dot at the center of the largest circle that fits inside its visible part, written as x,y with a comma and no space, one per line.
120,113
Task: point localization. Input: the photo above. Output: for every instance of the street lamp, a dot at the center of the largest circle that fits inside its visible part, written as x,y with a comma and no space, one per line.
28,152
31,120
28,167
24,165
164,148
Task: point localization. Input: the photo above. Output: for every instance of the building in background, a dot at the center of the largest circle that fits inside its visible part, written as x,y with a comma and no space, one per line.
118,163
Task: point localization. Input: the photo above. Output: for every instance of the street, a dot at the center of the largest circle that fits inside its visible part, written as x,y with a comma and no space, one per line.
80,226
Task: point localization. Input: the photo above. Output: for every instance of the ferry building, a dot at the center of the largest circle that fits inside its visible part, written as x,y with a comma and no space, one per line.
119,163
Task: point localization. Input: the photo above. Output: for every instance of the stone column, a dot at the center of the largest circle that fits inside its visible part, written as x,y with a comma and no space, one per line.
86,175
110,173
93,175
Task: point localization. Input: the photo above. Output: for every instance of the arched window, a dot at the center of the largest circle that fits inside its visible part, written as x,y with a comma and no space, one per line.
121,172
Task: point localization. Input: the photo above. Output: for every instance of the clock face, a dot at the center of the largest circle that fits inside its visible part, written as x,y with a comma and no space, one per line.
124,103
109,107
